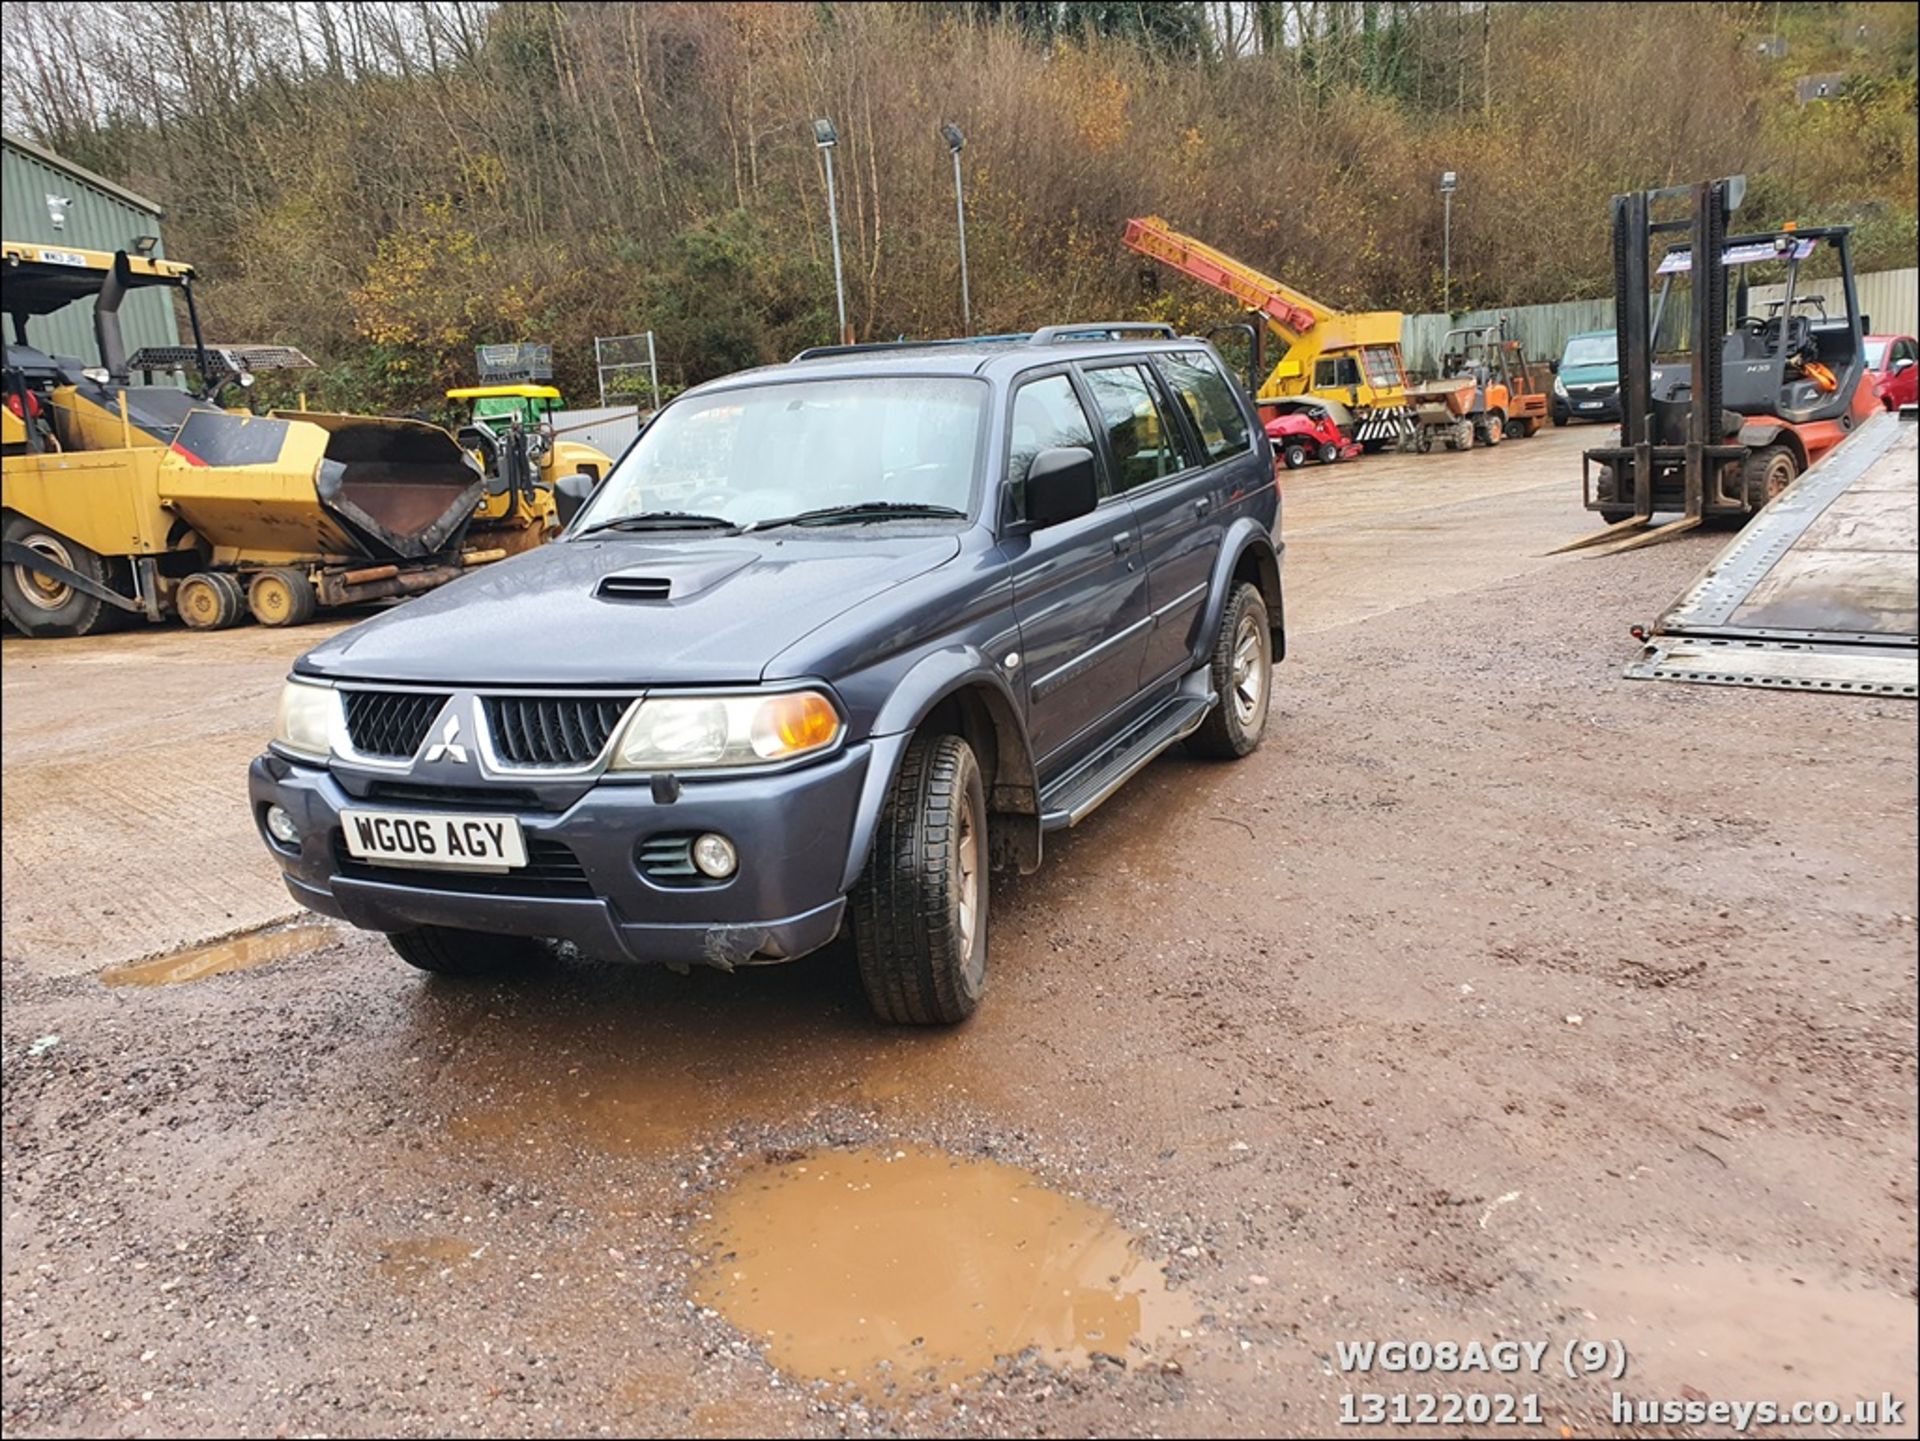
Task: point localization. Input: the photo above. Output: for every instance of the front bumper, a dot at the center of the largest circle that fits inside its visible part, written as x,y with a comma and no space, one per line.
794,832
1577,406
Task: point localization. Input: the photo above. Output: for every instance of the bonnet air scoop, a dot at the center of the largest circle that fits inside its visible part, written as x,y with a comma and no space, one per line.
671,579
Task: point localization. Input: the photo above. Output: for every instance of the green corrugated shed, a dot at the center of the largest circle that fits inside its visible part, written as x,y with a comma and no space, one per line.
96,215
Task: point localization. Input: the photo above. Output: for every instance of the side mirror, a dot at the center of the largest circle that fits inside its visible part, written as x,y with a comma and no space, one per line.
1554,366
1905,363
1061,486
570,492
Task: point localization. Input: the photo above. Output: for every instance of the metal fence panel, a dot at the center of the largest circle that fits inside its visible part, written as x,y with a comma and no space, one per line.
1541,329
1890,299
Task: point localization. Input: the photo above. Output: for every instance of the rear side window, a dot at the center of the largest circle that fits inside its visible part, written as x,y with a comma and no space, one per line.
1046,413
1147,444
1208,398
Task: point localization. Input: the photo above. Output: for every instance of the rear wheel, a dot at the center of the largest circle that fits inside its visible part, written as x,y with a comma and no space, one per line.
210,600
282,596
1768,471
1329,453
1294,455
1460,435
1242,676
1520,427
446,951
40,606
920,910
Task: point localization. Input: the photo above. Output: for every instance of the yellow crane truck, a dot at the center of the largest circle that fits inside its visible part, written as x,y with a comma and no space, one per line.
144,501
1349,360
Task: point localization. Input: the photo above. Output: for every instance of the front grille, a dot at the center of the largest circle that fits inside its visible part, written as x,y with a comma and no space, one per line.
552,730
552,870
517,798
668,861
390,723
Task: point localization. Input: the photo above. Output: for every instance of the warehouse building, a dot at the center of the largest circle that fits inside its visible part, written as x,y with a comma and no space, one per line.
50,201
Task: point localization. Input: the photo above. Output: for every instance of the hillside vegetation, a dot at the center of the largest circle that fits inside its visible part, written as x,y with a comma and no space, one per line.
388,184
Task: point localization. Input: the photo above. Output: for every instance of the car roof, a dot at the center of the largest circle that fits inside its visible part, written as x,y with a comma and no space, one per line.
988,359
1886,335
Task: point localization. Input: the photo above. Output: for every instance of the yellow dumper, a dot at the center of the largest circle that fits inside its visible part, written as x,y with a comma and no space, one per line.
125,500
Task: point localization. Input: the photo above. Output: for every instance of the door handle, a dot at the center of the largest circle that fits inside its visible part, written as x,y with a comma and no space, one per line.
1202,505
1121,542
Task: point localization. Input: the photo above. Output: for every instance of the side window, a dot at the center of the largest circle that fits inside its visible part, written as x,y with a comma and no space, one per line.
1335,371
1146,443
1209,402
1046,413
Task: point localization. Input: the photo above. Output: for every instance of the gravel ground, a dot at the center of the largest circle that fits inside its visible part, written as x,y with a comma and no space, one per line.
1495,997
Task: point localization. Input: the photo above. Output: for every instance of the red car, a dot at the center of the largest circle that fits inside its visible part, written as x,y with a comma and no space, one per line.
1891,361
1305,429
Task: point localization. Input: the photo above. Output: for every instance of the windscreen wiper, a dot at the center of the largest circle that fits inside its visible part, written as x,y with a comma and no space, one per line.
836,514
662,520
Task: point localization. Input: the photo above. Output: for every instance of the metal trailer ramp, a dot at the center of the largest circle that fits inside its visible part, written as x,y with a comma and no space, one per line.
1820,590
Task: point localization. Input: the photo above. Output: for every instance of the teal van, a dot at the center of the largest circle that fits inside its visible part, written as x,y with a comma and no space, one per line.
1586,383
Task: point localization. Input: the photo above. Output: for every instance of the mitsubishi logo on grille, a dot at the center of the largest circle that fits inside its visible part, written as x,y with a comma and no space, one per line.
448,747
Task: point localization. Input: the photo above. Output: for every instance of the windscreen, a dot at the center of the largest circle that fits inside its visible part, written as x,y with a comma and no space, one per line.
1591,350
752,453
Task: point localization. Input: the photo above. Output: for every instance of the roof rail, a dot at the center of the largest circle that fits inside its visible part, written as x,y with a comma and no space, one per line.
868,347
1103,330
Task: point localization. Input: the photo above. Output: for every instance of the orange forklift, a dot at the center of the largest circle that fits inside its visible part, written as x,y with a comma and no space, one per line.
1486,391
1715,430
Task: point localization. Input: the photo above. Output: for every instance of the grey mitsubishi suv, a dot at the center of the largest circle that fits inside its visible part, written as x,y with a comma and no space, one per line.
832,642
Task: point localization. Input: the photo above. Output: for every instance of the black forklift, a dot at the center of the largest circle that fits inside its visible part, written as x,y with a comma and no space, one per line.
1715,435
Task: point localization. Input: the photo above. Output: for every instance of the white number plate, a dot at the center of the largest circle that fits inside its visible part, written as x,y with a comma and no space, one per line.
442,842
1589,405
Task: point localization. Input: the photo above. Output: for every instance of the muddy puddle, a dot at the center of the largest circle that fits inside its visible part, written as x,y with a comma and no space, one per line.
905,1268
420,1257
238,954
1733,1328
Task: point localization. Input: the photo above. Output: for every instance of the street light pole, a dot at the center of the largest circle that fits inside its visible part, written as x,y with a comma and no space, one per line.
1448,180
955,143
826,137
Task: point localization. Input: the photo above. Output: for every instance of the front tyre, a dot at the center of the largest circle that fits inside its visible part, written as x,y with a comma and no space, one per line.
1242,676
920,908
446,951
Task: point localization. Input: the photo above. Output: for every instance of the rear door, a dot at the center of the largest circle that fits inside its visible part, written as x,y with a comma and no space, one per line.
1079,592
1159,466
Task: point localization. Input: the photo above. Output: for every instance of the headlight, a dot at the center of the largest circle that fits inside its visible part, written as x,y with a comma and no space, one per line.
696,732
1559,387
309,719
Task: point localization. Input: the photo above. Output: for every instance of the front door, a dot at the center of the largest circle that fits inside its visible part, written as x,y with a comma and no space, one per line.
1079,589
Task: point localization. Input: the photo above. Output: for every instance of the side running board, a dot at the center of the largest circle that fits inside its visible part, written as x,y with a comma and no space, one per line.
1078,793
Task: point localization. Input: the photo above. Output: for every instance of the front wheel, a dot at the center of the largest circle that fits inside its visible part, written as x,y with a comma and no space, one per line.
1242,676
1559,419
1493,429
1329,453
920,909
445,951
1768,471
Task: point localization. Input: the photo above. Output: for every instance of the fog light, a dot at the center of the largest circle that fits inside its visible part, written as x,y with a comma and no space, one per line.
715,856
281,827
